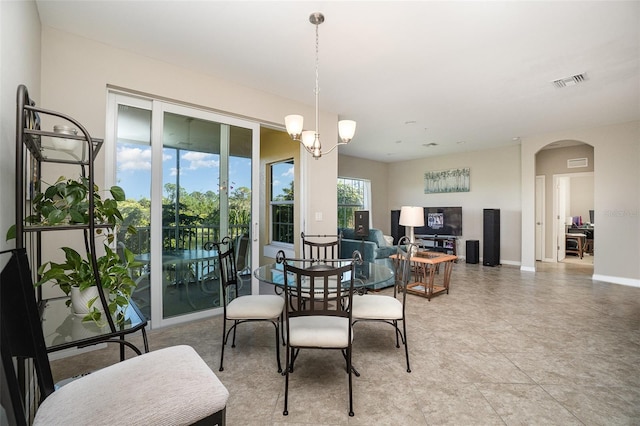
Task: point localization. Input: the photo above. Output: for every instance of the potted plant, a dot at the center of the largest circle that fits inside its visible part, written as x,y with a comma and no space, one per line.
66,202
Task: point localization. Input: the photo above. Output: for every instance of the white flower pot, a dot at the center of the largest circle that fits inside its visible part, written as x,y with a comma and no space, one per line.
80,300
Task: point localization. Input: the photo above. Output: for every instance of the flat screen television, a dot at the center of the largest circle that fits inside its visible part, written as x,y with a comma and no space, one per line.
441,221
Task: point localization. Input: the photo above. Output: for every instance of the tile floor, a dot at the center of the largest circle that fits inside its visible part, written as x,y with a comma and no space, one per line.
503,347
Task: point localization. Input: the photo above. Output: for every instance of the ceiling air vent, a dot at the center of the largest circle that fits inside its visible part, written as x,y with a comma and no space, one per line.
575,163
570,81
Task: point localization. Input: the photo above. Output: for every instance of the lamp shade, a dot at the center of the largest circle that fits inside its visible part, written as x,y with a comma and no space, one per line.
412,216
294,125
308,138
346,130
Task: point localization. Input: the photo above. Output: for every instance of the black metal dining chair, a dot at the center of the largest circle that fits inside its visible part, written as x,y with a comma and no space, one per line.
390,309
322,319
321,246
242,309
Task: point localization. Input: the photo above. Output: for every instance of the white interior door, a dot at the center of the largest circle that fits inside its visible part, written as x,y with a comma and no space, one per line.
540,209
561,201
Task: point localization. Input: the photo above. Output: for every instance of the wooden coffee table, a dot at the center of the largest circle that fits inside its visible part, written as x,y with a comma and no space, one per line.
426,266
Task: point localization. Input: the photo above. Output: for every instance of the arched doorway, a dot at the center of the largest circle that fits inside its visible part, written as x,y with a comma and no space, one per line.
564,202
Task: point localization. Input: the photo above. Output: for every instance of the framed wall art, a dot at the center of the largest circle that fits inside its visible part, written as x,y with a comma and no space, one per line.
443,181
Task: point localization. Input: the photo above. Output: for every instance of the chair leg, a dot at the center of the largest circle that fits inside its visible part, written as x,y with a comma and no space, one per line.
352,368
395,324
235,324
224,343
406,344
285,412
277,326
349,368
294,355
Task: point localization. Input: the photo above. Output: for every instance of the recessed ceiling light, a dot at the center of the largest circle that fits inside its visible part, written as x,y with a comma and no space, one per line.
430,144
461,142
410,122
515,138
398,142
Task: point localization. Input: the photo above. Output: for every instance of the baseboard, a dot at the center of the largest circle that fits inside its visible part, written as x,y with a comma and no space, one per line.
527,269
616,280
272,250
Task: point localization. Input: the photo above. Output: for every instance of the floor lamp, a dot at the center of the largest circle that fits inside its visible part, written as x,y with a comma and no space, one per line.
412,217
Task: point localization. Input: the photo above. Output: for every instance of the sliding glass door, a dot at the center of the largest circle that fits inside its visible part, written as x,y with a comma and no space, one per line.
188,178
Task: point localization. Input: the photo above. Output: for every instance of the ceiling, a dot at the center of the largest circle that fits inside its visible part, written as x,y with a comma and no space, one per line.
461,75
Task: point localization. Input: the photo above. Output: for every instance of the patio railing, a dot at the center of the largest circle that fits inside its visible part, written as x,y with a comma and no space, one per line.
181,238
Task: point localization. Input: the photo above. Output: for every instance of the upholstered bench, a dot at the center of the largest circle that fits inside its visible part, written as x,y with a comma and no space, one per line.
171,386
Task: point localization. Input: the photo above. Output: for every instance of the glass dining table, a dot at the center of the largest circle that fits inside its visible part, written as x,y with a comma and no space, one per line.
366,273
186,267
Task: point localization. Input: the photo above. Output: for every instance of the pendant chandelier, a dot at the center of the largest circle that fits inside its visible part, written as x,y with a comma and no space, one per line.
311,139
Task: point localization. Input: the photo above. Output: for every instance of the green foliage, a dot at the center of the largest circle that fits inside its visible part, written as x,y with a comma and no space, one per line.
66,202
349,200
78,271
348,195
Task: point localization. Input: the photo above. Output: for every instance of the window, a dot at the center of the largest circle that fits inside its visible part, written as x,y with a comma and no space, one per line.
282,196
353,194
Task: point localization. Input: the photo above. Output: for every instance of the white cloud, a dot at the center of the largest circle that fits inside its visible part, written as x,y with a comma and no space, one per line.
133,158
200,160
289,172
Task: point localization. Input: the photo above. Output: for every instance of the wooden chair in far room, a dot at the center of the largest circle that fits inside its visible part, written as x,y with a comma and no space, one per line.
322,319
574,243
390,309
242,309
320,247
167,386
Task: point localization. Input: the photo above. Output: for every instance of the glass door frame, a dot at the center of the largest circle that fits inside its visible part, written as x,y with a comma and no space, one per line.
158,108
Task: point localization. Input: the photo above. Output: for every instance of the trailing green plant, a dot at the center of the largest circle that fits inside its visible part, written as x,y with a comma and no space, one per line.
76,271
66,202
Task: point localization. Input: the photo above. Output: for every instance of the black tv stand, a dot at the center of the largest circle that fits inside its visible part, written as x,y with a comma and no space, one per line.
440,243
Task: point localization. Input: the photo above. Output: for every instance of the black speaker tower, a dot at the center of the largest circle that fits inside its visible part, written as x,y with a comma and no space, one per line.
362,223
397,230
491,243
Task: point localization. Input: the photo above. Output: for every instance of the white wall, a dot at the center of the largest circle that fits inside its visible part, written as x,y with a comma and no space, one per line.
581,188
616,198
495,183
20,64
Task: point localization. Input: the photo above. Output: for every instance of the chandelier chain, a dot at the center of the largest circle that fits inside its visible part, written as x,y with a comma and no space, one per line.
294,123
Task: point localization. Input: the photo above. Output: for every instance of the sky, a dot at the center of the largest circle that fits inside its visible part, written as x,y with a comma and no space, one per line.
198,171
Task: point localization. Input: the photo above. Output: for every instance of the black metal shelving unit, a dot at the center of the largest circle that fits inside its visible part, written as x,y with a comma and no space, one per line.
34,148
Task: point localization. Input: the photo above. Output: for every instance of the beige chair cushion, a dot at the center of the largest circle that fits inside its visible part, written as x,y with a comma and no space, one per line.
264,306
171,386
372,306
319,332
